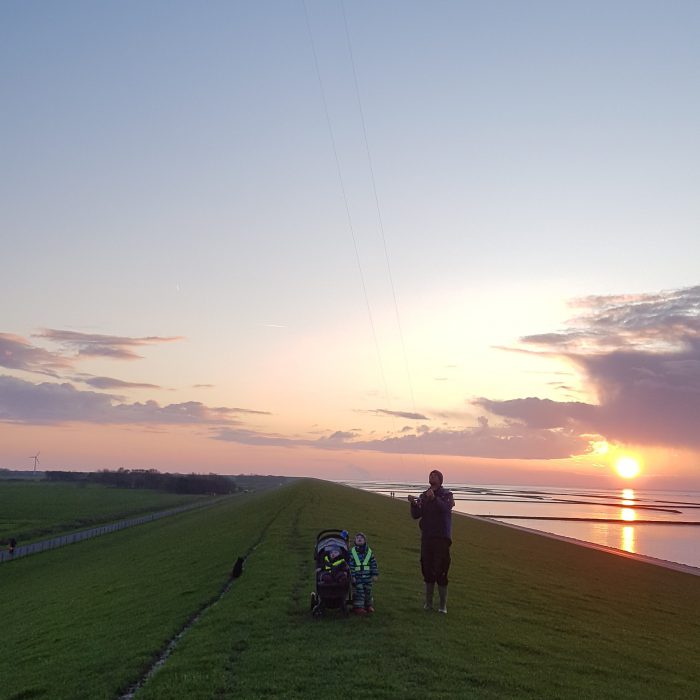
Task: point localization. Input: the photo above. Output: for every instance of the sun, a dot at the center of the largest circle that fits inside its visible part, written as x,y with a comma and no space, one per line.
627,467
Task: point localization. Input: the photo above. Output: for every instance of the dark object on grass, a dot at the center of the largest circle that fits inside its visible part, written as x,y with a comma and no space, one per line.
237,568
13,544
333,589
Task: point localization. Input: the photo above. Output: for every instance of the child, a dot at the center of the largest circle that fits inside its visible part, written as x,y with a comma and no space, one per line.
363,571
334,568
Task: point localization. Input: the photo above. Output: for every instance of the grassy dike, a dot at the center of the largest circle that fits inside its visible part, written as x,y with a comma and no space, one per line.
528,616
35,510
85,621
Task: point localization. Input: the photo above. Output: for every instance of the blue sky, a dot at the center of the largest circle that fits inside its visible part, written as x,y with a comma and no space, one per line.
169,173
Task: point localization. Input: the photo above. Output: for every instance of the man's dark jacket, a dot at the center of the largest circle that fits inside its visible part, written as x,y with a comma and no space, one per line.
436,515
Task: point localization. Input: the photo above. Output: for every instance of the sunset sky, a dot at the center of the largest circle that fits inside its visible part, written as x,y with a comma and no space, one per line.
352,240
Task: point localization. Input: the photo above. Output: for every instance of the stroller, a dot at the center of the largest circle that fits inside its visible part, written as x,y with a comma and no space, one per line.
333,587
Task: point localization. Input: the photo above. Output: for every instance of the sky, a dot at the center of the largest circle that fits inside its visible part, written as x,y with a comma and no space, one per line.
352,240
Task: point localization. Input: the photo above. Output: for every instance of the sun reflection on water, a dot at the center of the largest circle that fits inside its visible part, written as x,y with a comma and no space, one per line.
628,515
628,539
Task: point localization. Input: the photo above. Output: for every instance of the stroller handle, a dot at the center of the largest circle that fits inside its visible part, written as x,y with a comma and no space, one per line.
326,533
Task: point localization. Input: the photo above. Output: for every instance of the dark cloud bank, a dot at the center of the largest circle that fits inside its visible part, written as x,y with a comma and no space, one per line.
641,357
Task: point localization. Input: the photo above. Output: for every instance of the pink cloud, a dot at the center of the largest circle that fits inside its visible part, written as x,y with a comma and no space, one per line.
97,345
28,403
640,354
17,353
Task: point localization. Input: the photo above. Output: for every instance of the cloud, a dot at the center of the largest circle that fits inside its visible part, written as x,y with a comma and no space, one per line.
97,345
402,414
25,402
236,409
250,437
110,383
17,353
666,321
511,441
341,435
647,398
640,355
541,413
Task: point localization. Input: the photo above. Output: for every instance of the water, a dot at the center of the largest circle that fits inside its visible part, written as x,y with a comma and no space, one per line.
660,524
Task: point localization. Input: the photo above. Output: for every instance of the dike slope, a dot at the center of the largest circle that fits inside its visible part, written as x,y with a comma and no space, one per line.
529,617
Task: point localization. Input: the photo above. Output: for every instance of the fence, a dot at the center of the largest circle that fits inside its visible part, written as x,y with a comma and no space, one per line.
44,545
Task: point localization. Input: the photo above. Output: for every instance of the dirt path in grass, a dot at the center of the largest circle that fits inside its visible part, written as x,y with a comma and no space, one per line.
172,643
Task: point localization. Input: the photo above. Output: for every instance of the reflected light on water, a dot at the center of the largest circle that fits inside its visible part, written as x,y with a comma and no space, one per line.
628,514
627,539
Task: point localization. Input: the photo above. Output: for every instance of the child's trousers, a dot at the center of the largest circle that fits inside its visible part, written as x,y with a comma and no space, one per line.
362,592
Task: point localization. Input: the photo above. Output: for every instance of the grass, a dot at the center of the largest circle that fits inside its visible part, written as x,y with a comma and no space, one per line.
85,621
529,617
31,511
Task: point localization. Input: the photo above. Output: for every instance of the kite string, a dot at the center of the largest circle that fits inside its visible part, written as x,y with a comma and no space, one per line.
379,212
345,200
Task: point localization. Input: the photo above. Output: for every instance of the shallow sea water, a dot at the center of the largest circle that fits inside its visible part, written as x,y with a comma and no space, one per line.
660,524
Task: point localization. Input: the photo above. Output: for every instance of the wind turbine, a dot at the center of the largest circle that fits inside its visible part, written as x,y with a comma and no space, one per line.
36,460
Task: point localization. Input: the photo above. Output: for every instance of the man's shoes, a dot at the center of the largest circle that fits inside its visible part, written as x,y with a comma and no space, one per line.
369,609
427,606
443,599
360,611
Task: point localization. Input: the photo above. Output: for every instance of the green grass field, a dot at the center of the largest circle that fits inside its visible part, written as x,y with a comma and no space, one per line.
529,617
32,510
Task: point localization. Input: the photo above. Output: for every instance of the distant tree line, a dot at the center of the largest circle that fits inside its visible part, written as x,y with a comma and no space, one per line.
151,479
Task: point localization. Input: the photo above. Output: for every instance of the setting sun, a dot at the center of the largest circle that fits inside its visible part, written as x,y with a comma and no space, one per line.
627,467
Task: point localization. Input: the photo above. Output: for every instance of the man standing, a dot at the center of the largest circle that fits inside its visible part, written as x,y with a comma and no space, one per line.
434,508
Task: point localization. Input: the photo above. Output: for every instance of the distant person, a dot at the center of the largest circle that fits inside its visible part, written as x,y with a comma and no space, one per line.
434,508
363,573
11,548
